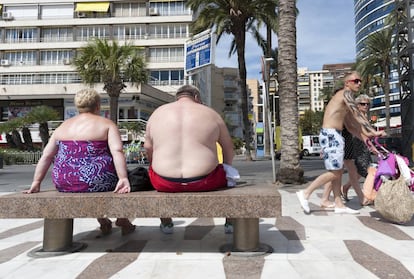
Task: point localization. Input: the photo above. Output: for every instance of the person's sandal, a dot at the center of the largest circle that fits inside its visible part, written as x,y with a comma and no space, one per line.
106,228
127,229
344,195
167,228
330,206
367,202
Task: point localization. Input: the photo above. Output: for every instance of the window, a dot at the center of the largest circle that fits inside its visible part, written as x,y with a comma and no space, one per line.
57,34
129,32
130,9
168,30
173,54
54,57
21,58
23,35
35,78
169,77
170,8
85,33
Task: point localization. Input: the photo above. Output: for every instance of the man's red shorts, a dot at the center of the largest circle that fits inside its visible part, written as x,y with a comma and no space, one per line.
216,179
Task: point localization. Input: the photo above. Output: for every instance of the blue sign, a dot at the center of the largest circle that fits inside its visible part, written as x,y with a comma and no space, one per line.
198,51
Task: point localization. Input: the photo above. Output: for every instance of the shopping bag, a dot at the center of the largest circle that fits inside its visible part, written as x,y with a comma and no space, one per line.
405,171
394,201
387,168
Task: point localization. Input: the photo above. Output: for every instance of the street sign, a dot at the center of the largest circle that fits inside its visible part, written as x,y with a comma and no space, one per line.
199,51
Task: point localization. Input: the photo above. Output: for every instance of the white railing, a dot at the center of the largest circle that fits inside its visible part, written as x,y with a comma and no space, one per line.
21,157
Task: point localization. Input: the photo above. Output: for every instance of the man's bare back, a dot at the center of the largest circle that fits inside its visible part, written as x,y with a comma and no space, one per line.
181,138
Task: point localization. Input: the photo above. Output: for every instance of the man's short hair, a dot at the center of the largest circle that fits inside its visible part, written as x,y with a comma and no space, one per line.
187,90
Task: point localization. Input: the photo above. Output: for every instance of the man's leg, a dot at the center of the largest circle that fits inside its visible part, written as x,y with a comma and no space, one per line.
318,182
325,202
304,195
336,187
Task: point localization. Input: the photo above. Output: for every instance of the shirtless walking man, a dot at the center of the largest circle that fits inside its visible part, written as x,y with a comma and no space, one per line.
341,111
181,142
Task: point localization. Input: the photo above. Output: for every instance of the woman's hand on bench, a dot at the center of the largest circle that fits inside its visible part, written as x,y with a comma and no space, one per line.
122,186
34,188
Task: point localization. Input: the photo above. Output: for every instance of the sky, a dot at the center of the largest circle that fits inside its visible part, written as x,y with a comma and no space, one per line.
325,35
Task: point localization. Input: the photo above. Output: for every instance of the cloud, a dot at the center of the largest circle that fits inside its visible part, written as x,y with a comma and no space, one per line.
325,35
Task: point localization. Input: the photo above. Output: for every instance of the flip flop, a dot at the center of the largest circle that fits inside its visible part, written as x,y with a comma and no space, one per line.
328,207
367,202
127,229
344,195
106,228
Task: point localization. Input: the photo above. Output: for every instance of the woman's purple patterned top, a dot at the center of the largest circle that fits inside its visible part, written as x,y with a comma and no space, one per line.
84,166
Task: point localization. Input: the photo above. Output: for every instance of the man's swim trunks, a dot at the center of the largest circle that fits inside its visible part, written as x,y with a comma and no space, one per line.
84,166
213,181
332,144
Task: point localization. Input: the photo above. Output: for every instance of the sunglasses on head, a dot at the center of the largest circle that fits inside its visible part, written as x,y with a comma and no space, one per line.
364,104
356,81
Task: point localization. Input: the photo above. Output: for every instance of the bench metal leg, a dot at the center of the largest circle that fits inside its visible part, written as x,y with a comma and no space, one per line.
57,239
246,234
57,235
246,239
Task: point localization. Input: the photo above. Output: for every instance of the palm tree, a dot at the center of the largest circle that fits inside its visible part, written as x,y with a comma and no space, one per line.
235,18
377,60
113,65
290,170
42,115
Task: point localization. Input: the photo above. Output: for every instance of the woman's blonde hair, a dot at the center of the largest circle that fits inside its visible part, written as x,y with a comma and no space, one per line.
87,100
362,97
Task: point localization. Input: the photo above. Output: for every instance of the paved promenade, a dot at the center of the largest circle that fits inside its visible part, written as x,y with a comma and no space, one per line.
319,245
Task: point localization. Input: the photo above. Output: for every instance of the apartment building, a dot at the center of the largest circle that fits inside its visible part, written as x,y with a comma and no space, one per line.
40,38
220,89
370,16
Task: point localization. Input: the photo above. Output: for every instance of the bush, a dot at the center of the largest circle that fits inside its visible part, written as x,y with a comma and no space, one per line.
237,143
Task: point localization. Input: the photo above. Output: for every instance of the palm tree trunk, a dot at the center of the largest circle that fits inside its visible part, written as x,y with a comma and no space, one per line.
244,96
290,170
387,98
113,106
17,139
44,133
27,137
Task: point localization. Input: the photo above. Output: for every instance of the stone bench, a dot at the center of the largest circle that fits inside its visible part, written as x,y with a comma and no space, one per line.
245,203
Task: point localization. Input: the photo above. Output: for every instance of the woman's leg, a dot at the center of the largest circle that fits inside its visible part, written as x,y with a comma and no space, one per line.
106,225
354,180
126,226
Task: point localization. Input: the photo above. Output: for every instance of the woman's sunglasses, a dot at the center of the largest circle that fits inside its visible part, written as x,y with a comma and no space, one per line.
356,81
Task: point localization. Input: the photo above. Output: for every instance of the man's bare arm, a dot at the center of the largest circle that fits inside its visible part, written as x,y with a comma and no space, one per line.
148,143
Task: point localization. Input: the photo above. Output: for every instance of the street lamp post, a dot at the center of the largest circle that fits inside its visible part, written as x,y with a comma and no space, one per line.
268,119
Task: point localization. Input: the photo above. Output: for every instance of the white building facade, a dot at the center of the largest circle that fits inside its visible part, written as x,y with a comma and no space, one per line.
39,39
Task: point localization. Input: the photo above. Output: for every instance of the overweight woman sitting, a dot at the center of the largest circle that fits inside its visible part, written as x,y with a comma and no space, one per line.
88,156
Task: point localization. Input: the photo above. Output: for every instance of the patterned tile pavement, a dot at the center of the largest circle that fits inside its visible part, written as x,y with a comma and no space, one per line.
319,245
